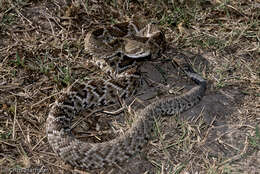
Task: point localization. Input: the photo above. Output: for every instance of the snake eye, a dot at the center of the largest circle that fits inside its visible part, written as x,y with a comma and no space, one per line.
98,32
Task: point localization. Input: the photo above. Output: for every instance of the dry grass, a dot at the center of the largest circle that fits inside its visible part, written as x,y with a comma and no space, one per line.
41,52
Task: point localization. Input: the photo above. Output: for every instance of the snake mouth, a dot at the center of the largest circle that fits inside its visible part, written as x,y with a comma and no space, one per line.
138,55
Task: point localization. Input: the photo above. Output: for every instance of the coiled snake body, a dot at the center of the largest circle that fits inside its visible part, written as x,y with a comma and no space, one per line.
103,46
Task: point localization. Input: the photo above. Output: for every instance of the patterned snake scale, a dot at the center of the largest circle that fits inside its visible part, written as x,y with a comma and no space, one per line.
91,156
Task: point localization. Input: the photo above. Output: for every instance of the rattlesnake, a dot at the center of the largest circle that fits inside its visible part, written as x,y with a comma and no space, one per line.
103,44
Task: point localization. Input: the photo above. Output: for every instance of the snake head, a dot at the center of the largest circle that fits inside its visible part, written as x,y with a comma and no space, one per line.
135,49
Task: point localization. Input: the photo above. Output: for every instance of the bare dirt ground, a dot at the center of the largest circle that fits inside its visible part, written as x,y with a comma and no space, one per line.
42,53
